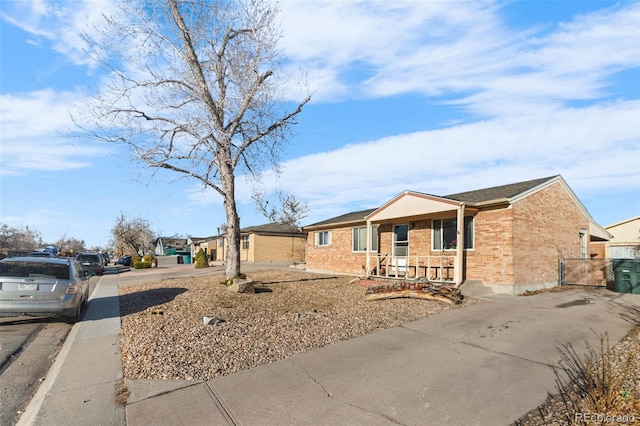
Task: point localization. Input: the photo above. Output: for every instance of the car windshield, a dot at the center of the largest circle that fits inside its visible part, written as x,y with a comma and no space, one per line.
34,269
87,258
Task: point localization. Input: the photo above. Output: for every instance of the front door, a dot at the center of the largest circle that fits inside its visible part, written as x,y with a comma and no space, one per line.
400,250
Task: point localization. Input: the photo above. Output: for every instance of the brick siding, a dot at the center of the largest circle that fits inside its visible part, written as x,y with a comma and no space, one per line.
337,256
519,244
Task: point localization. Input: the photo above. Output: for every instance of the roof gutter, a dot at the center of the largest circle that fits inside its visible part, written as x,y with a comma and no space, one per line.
488,203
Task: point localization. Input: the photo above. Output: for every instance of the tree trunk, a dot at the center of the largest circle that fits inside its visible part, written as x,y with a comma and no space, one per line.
232,268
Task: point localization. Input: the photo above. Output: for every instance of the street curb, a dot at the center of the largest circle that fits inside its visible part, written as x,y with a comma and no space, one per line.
30,414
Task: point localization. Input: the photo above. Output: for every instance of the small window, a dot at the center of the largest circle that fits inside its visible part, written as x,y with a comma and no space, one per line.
245,242
445,234
221,242
359,240
323,238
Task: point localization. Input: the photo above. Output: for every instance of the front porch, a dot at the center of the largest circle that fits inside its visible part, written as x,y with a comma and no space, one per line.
418,237
437,269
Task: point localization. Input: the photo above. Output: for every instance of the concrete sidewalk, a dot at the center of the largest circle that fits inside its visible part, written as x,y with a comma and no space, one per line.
80,387
487,364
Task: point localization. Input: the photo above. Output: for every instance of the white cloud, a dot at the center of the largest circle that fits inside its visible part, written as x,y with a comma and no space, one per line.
61,23
593,147
436,48
33,127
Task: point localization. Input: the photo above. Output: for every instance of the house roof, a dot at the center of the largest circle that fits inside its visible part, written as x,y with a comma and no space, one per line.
622,222
197,240
171,240
345,218
272,228
502,192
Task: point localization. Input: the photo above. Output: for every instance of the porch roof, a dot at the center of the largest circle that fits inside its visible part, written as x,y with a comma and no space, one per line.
409,204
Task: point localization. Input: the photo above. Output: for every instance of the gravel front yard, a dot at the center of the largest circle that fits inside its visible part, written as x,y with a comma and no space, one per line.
163,335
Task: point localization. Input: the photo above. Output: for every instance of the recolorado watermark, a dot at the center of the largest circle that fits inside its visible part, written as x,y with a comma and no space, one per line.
602,418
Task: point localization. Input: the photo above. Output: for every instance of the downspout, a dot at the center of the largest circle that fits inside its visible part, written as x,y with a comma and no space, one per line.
458,275
367,270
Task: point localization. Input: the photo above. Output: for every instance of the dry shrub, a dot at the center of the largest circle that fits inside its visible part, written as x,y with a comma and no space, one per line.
597,382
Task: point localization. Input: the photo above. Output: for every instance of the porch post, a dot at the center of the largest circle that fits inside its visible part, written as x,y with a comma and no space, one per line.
368,264
457,275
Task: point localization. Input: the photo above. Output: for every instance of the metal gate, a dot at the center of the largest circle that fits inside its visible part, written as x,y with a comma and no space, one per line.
589,272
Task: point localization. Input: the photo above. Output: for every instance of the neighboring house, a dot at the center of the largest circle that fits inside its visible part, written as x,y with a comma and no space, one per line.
625,243
509,237
220,243
272,243
169,246
207,244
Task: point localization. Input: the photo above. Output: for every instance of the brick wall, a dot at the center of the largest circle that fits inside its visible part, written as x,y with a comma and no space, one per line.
598,250
491,259
546,227
337,256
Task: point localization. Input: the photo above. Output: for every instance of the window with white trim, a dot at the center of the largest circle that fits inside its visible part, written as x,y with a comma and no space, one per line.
445,234
400,241
359,238
323,238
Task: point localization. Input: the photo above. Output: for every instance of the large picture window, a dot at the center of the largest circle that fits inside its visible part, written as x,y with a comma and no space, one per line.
445,234
323,238
359,240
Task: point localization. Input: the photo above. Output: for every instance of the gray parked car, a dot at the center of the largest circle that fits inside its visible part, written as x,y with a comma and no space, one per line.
93,263
41,286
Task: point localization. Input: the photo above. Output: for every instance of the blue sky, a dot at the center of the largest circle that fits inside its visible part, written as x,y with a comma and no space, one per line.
436,97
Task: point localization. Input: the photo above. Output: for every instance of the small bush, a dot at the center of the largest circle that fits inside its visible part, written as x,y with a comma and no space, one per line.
142,265
135,259
151,259
201,259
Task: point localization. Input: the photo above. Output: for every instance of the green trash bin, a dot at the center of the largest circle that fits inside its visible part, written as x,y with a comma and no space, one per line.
627,275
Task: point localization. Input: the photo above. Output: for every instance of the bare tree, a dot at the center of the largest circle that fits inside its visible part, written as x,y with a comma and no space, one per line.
195,89
132,235
70,245
289,211
19,239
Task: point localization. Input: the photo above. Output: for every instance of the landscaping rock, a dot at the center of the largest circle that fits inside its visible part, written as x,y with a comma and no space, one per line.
242,285
211,320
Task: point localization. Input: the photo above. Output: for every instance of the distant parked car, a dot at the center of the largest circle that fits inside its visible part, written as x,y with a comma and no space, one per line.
51,249
124,260
41,254
106,258
40,286
91,262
